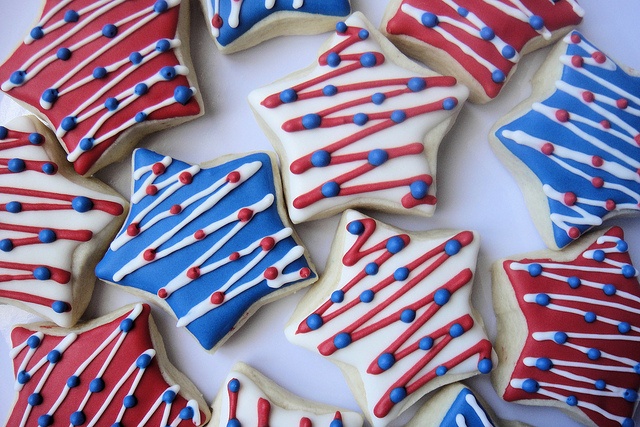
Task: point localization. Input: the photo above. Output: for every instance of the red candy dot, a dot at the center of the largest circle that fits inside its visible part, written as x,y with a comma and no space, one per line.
271,273
267,243
597,182
175,209
149,255
305,272
547,148
162,293
186,178
133,229
216,21
151,190
234,256
199,235
193,273
574,233
562,116
158,168
599,57
575,38
245,214
570,198
622,103
605,124
577,61
217,298
588,96
610,205
597,161
233,177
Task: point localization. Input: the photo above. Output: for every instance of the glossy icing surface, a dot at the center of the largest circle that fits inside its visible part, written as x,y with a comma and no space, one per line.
208,241
583,341
97,68
44,218
105,376
485,38
465,410
384,314
583,141
351,130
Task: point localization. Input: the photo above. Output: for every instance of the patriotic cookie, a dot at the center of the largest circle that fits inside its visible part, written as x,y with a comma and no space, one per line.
104,73
360,128
248,398
240,24
479,42
393,312
109,372
569,330
573,146
54,225
210,243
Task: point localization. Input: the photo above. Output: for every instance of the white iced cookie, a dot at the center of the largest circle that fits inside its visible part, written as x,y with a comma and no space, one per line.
248,398
360,128
54,225
393,312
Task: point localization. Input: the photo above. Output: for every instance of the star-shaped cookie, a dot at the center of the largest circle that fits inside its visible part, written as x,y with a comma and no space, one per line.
209,242
569,330
109,372
574,145
479,42
105,73
393,312
240,24
360,128
248,398
54,225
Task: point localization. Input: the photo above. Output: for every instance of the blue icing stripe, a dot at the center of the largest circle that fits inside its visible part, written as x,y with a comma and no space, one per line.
241,232
466,405
254,11
582,142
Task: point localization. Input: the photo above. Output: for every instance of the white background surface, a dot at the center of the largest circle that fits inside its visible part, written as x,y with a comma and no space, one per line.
474,192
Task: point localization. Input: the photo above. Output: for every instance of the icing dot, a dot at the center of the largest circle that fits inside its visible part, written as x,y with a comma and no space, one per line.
136,58
397,394
429,19
600,384
416,84
23,377
368,60
337,296
593,354
68,123
536,22
378,98
498,76
3,132
126,325
54,356
341,27
408,316
628,271
371,269
320,158
63,54
355,227
140,117
111,104
573,232
452,247
367,296
333,60
530,386
129,401
342,340
143,361
271,273
160,6
13,207
395,244
360,119
398,116
572,401
330,189
49,168
99,73
36,33
363,34
86,144
233,423
149,255
463,12
73,381
449,104
314,322
311,121
199,235
42,273
168,72
636,368
606,124
71,16
6,245
547,148
168,396
575,38
628,422
50,96
233,177
163,45
96,385
193,273
543,299
599,255
630,395
570,198
597,161
560,337
577,61
175,209
441,370
534,269
386,361
599,57
456,330
609,289
109,31
441,296
35,399
590,317
288,95
45,420
622,246
16,165
508,52
77,418
401,274
419,189
162,293
329,90
60,307
133,229
33,341
141,89
217,298
544,363
487,33
624,327
267,243
425,343
597,182
485,366
18,77
185,178
234,256
562,116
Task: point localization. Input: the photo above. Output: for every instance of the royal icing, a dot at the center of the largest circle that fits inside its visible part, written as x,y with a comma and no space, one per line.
44,219
486,38
466,411
351,131
106,375
583,340
582,141
246,403
210,242
231,19
97,68
384,318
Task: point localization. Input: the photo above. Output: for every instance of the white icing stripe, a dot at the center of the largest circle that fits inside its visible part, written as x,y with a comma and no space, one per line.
167,409
482,415
57,8
549,336
588,301
531,361
460,421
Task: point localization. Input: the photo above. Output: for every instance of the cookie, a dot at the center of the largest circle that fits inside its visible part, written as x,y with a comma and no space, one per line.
210,243
360,128
568,330
54,225
478,42
112,371
376,313
238,24
248,398
573,145
105,73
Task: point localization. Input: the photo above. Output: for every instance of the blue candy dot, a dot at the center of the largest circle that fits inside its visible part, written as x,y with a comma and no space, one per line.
18,77
600,384
71,16
442,296
462,12
329,90
371,269
99,73
73,381
419,189
14,207
355,227
186,413
401,274
321,158
68,123
35,399
367,296
560,337
109,31
86,144
398,116
398,394
342,340
141,89
168,72
49,168
81,204
54,356
311,121
593,354
425,343
363,34
624,327
140,117
33,341
163,45
360,119
169,396
386,361
395,244
135,58
368,60
116,425
628,271
111,104
143,361
508,52
288,95
543,299
590,317
630,395
487,33
130,401
574,282
23,377
182,94
234,385
341,27
536,22
636,368
96,385
534,270
530,386
456,330
378,98
452,247
337,296
429,19
599,255
314,322
126,325
45,420
609,289
6,245
16,165
408,315
47,236
160,6
36,33
485,366
3,132
330,189
498,76
233,423
333,60
416,84
544,363
50,96
42,273
77,418
449,104
377,157
572,401
628,422
622,246
60,307
63,54
441,370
